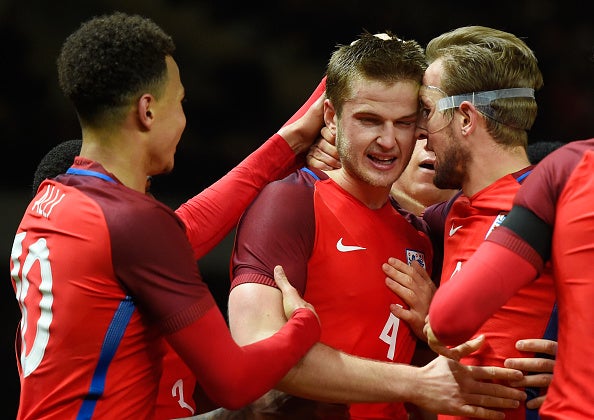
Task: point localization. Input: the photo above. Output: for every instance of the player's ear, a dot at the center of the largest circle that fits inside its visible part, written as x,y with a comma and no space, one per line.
145,110
330,116
467,117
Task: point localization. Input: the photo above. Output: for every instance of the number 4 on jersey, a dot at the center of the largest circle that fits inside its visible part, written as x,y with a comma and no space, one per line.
389,334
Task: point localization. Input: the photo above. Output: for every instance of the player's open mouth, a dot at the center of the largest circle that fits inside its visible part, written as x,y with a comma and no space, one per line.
383,161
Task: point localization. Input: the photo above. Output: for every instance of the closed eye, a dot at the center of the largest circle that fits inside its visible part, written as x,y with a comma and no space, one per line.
370,121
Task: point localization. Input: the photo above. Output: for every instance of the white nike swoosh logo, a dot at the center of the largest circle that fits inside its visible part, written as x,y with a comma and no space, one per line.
347,248
454,229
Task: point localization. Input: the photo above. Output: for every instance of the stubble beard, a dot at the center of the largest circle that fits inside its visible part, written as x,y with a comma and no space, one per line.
451,166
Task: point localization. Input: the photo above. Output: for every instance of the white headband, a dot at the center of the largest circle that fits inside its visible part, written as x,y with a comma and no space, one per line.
483,98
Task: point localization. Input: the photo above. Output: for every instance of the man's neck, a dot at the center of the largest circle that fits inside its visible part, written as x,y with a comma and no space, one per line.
489,167
371,196
116,157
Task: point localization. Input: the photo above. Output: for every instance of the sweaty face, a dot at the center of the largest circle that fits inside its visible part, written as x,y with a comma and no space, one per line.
376,131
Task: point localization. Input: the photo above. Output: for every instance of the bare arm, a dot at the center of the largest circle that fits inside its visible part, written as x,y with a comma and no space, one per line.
326,374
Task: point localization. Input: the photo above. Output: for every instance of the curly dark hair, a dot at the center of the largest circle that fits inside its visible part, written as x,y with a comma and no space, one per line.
56,162
111,59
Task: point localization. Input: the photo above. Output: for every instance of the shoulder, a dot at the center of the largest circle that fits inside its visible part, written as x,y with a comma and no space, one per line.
293,188
558,166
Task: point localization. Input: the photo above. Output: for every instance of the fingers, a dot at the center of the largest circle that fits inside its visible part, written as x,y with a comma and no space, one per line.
330,139
535,403
457,352
477,406
403,287
412,317
281,280
531,364
326,150
439,348
483,413
323,154
468,347
399,271
303,128
540,368
399,312
497,373
327,155
480,395
414,288
410,283
495,395
316,158
537,345
538,380
291,298
408,275
312,120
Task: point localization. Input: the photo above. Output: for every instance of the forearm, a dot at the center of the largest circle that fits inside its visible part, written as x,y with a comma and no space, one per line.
482,286
326,374
232,375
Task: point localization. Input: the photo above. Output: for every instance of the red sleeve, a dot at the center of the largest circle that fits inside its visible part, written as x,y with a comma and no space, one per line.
318,91
210,215
233,376
277,229
480,288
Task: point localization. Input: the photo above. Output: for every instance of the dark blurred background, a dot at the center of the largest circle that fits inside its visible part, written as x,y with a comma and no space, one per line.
246,68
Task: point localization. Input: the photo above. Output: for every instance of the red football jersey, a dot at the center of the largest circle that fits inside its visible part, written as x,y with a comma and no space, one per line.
99,290
552,218
332,248
526,315
66,299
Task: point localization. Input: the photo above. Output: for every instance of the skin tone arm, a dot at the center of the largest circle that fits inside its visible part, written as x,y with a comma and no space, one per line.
326,374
